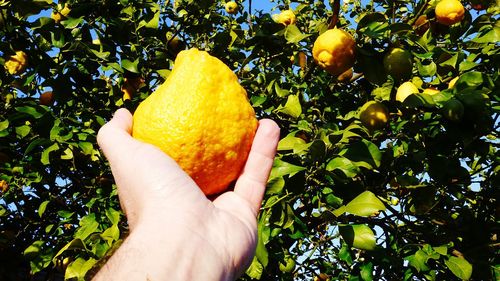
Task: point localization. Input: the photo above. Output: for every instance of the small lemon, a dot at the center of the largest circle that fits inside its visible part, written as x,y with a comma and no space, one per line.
374,115
453,110
421,25
334,51
405,90
398,64
46,98
58,16
231,7
286,17
4,186
175,44
449,12
17,63
130,86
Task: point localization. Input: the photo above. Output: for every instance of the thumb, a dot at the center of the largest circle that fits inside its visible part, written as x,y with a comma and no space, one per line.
115,138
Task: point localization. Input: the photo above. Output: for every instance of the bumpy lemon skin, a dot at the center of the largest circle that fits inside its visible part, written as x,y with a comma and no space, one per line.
17,63
449,12
201,117
334,51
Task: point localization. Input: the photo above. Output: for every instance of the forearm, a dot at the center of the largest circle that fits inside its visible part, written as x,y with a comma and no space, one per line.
151,253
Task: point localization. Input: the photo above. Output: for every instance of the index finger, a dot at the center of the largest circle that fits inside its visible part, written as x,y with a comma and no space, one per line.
252,182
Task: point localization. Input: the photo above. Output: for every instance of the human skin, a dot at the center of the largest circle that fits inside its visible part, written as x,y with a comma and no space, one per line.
176,233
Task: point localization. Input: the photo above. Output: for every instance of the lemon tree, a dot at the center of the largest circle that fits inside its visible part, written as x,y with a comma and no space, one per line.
367,184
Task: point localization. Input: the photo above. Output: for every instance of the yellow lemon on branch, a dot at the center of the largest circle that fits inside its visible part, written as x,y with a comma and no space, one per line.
334,51
17,63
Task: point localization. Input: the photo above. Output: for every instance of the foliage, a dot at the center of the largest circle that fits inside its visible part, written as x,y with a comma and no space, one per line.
416,200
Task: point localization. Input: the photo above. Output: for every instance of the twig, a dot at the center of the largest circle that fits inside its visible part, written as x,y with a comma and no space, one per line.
335,16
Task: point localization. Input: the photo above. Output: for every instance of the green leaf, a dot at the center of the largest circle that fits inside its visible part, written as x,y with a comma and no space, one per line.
292,107
427,69
460,267
111,234
383,92
365,204
155,21
34,249
88,225
255,270
367,271
374,25
71,23
79,268
293,34
419,261
492,36
290,142
32,111
42,207
86,147
344,165
67,154
282,168
345,254
442,250
57,38
101,55
113,215
35,143
363,154
131,66
4,125
45,154
23,131
469,79
359,236
73,244
261,251
279,91
275,186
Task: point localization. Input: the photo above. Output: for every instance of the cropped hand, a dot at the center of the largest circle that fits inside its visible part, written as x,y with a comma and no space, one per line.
176,233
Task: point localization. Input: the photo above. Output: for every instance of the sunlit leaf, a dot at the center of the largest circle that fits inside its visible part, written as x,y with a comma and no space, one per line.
460,267
359,236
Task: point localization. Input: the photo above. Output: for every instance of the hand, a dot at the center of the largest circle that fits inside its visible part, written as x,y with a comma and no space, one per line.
176,233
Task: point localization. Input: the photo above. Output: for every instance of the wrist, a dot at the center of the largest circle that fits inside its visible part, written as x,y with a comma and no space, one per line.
168,248
184,252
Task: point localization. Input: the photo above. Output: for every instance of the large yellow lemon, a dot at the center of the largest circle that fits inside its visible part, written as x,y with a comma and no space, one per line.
334,51
449,12
201,117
